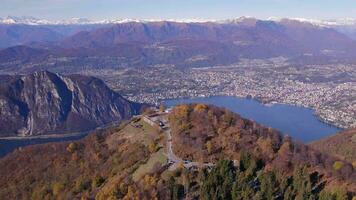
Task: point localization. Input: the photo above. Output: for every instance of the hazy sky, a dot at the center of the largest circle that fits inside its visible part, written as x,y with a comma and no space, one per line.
178,9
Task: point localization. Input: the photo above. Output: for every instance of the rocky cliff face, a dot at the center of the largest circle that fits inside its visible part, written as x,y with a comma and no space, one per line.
47,103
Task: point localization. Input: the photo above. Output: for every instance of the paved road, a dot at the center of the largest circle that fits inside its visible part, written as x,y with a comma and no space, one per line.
174,159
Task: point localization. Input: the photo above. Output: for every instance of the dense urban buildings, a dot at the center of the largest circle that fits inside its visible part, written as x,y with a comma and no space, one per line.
329,89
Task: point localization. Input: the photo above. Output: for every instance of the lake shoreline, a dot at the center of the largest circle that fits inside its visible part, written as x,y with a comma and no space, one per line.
52,136
267,104
9,144
60,135
281,116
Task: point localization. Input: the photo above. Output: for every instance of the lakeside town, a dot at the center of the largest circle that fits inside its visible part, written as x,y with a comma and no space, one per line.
273,81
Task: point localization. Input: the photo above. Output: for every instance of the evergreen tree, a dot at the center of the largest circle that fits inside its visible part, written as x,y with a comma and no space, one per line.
302,184
268,185
219,182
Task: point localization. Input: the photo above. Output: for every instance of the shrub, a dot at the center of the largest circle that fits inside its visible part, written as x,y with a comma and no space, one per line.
209,147
341,194
40,192
57,188
336,194
181,111
81,185
338,165
97,181
71,147
200,108
152,147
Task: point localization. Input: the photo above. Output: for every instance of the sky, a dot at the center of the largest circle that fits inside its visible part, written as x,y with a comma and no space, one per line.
178,9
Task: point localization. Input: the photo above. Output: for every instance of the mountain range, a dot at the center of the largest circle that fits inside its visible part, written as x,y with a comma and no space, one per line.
346,25
69,48
45,103
29,20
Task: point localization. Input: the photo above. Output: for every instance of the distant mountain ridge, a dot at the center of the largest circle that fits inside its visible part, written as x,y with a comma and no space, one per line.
144,44
137,44
12,34
47,103
29,20
73,21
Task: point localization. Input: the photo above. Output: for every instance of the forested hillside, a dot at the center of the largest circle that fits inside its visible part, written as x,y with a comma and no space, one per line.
248,161
342,145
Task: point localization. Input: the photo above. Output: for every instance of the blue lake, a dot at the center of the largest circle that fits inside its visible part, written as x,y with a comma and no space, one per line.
298,122
7,146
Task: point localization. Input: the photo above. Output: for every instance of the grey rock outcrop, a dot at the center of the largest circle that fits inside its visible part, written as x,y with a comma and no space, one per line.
48,103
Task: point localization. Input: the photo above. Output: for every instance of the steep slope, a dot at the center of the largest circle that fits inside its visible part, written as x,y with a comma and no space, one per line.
342,145
22,54
102,162
315,37
349,30
12,35
25,34
246,161
47,103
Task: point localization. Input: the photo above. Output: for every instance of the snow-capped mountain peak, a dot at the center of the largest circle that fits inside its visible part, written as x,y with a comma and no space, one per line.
319,22
245,19
23,20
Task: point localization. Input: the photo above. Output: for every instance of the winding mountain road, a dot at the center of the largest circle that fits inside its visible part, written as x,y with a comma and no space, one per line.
173,159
